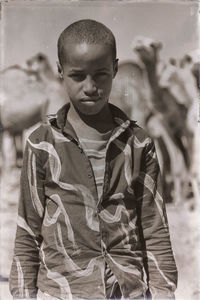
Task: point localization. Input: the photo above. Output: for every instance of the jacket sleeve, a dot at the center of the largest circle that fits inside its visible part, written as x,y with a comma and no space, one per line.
25,265
153,227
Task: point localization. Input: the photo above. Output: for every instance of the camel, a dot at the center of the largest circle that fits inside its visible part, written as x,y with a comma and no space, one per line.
183,82
172,101
53,85
27,96
130,91
190,63
18,113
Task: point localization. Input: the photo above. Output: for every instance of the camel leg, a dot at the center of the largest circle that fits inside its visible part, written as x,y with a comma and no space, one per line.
1,149
18,142
177,190
196,190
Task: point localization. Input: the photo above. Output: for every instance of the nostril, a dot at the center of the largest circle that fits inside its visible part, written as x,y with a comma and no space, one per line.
89,87
40,57
90,91
188,59
28,62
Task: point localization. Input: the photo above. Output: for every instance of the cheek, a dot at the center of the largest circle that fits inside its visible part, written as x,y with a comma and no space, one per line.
106,85
71,87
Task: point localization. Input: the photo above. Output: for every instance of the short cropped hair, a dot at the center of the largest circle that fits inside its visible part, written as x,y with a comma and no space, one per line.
86,31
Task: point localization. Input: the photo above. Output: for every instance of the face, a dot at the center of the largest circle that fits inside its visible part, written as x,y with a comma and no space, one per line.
87,73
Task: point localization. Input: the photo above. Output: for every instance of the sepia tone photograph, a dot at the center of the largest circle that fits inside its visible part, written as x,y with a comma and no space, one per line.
99,149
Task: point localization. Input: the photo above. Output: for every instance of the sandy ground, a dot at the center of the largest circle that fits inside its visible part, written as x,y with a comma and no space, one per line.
185,236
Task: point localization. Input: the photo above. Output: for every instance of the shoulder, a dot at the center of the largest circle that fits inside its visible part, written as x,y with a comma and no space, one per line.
42,133
140,135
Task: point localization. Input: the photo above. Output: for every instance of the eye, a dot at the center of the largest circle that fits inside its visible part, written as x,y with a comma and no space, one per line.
77,77
101,75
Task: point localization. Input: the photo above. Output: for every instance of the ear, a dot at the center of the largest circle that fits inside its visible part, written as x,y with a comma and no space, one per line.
115,67
60,69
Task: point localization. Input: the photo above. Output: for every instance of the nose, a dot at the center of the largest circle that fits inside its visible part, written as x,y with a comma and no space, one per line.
89,86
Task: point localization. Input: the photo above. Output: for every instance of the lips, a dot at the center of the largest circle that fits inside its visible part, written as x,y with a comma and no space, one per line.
90,99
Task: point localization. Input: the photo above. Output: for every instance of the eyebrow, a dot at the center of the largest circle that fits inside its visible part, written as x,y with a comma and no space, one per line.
82,71
75,71
102,69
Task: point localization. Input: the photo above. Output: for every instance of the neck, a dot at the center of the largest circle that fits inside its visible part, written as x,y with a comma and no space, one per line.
47,73
102,122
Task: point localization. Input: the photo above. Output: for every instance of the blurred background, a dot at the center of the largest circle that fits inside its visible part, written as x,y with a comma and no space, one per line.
157,85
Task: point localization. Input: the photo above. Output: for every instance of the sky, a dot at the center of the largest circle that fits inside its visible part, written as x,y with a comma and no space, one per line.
29,27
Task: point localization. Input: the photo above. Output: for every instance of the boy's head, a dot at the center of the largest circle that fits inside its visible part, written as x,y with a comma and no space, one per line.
87,64
86,31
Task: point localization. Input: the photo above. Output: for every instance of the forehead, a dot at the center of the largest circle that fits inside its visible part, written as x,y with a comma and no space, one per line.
84,54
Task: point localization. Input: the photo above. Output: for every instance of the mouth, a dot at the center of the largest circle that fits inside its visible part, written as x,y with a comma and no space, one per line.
90,100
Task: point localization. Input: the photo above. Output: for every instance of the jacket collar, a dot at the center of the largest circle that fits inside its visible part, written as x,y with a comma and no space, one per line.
63,124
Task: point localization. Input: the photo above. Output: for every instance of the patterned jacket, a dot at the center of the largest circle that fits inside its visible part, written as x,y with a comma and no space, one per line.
65,234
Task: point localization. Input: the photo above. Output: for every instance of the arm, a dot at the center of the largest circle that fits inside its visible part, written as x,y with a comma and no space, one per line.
23,276
153,227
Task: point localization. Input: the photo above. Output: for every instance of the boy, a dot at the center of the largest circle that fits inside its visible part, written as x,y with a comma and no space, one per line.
91,214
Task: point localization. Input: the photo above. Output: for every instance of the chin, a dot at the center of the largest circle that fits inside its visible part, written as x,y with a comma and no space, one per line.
90,110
